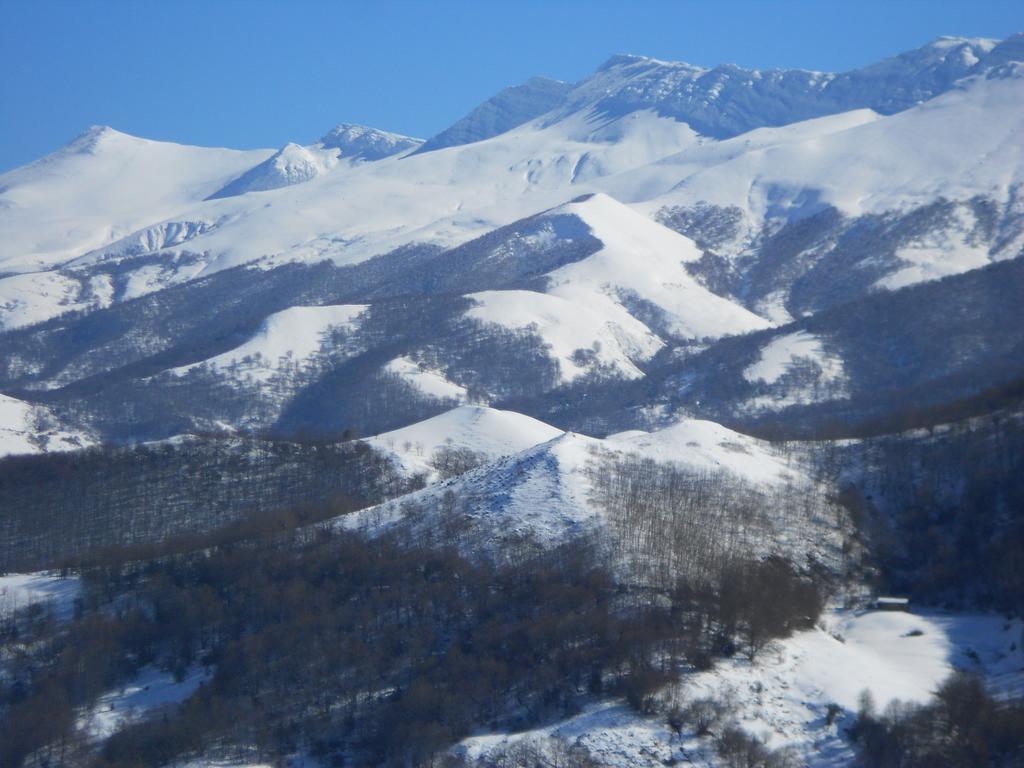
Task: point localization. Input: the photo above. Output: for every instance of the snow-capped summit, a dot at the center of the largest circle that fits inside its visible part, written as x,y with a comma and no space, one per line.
102,186
359,142
728,100
486,432
90,139
295,164
292,164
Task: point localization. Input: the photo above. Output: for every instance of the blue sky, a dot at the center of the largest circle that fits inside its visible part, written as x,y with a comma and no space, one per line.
259,73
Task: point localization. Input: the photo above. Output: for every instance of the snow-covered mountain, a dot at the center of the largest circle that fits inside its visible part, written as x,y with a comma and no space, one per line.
728,100
548,492
99,188
502,112
593,232
360,142
856,162
660,314
294,164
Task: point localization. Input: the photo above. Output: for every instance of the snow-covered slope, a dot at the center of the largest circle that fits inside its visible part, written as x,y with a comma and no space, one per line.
100,187
860,163
427,381
488,432
784,695
972,147
288,338
502,112
294,164
615,112
29,428
360,142
729,100
642,260
21,590
540,494
448,197
603,313
705,445
546,493
607,293
579,336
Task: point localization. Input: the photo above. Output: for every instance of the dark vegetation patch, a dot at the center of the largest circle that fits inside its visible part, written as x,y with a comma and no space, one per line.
963,726
59,508
364,652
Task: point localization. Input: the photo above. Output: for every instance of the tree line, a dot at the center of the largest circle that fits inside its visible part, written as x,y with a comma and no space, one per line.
368,651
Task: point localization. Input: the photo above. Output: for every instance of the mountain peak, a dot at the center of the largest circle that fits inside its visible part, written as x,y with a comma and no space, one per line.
361,142
952,41
92,137
620,60
729,100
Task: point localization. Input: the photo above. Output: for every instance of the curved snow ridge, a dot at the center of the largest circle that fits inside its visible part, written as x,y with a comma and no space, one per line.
580,337
507,109
729,100
150,240
782,353
644,260
708,446
295,163
446,197
287,338
488,432
430,382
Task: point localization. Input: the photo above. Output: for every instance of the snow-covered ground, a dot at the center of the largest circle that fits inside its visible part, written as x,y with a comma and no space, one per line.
99,188
150,689
30,428
293,335
485,431
784,694
780,354
430,382
707,445
575,332
643,259
21,590
943,252
868,165
541,493
546,492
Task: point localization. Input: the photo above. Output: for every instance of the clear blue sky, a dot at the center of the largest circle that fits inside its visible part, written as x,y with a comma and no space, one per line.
255,73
